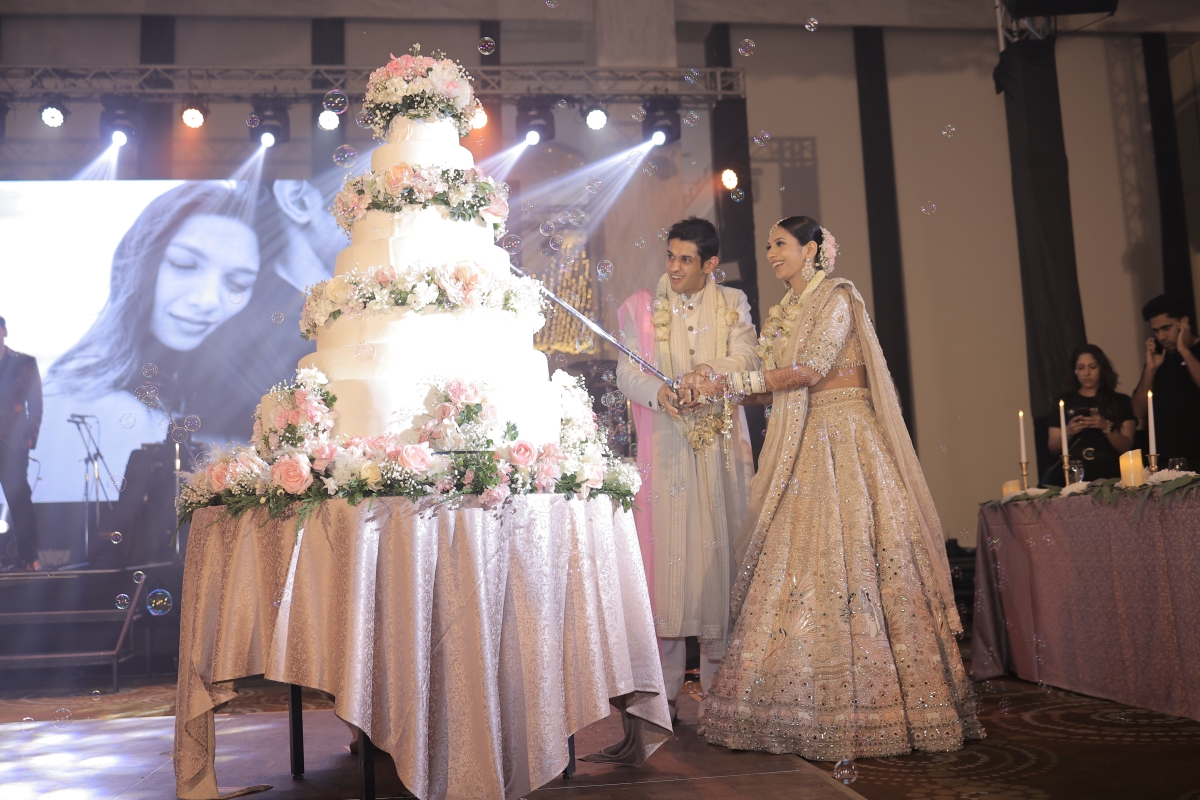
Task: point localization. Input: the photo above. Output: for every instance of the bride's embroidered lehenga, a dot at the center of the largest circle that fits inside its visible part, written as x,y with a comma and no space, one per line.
844,642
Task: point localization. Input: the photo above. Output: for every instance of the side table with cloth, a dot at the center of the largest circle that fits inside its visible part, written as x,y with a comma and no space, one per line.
1079,595
467,643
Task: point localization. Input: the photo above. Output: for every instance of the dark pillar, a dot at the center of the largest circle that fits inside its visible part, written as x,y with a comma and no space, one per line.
883,214
1042,200
328,49
1177,262
156,120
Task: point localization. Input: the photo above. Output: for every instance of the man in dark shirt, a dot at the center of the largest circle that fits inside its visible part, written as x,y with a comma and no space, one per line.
20,420
1173,373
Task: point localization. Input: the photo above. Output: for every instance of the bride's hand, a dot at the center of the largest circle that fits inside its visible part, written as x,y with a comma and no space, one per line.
703,382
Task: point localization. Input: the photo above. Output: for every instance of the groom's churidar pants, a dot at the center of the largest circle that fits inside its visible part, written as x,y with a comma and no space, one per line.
673,654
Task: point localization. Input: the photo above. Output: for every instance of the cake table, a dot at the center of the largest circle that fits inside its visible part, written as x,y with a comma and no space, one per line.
467,643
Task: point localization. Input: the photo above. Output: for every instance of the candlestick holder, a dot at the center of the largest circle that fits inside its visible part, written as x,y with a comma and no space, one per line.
1024,476
1066,469
1153,468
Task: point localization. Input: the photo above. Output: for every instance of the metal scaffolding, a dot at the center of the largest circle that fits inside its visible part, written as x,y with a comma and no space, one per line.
30,84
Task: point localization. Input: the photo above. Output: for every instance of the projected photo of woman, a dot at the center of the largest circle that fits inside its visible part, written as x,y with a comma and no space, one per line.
189,314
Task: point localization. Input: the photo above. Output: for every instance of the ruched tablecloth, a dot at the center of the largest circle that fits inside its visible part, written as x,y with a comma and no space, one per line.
1082,596
467,643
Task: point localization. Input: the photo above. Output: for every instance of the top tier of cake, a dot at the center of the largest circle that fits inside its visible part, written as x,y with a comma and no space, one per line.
419,143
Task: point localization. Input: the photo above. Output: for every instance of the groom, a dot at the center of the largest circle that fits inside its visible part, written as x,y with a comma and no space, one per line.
698,490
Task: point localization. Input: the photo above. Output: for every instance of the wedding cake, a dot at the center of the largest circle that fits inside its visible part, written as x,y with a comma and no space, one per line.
423,296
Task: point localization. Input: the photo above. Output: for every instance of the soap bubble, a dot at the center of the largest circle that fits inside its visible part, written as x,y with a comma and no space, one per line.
139,576
594,184
275,601
690,119
608,376
560,360
192,423
692,75
811,25
179,434
929,208
664,233
27,725
562,217
556,242
649,167
611,298
767,412
487,46
746,47
335,100
362,119
128,420
511,244
737,195
638,114
237,297
762,138
159,602
527,206
622,438
551,3
345,156
277,317
63,717
677,489
949,130
253,121
576,216
608,400
845,771
149,370
584,344
639,243
1004,705
718,275
115,537
562,103
635,158
145,391
122,601
118,482
546,228
604,270
95,694
364,352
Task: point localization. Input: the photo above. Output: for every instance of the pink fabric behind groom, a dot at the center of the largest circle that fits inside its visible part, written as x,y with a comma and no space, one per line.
637,308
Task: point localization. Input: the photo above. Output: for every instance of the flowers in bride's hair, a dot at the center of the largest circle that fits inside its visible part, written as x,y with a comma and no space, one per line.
829,251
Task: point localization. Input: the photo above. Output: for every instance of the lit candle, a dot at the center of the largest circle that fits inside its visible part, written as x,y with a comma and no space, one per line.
1150,409
1062,427
1131,469
1021,425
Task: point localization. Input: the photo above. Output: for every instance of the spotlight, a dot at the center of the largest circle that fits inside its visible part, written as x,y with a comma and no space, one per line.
535,116
273,122
3,526
479,120
53,113
532,138
328,120
118,120
195,111
729,179
596,118
662,116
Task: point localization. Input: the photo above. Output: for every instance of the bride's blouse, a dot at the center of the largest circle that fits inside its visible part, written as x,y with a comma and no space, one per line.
832,348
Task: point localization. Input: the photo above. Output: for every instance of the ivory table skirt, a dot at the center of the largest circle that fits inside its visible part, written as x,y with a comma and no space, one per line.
467,643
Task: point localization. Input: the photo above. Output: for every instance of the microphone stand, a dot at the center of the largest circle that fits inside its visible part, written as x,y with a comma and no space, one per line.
91,478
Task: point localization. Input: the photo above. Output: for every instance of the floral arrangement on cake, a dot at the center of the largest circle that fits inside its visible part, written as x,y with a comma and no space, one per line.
419,87
445,287
467,193
293,464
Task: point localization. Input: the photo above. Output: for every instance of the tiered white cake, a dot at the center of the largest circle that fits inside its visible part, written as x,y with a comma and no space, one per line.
383,363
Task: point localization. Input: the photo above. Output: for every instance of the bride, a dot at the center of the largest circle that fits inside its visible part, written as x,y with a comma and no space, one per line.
844,642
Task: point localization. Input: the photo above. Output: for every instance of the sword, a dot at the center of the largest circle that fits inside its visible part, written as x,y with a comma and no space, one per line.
645,365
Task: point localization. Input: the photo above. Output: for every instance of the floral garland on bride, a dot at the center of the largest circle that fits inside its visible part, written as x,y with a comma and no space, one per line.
445,287
466,193
293,464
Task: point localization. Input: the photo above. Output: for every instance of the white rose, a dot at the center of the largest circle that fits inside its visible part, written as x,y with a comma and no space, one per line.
337,290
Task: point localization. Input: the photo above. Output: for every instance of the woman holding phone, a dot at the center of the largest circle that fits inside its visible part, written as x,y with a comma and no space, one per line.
1100,420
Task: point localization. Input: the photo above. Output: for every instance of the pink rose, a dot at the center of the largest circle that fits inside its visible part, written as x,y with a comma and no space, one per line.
551,452
462,391
301,396
547,477
414,457
322,456
292,473
498,207
218,476
280,417
445,411
444,485
489,413
384,276
522,454
468,477
495,495
399,177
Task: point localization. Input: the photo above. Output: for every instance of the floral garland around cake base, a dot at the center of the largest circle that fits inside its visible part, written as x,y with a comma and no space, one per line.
446,287
465,193
293,465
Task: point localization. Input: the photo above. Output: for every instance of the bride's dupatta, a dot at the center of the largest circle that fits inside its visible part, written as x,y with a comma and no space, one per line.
785,433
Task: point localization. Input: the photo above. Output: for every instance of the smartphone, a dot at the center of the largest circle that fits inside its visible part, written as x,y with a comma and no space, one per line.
1072,413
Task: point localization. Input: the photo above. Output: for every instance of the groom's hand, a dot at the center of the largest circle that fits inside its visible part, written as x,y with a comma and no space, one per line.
668,400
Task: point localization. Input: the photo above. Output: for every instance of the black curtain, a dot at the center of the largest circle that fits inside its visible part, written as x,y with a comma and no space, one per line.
1042,199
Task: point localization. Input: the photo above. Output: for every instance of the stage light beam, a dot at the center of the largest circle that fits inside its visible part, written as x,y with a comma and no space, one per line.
267,139
658,138
532,138
120,138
